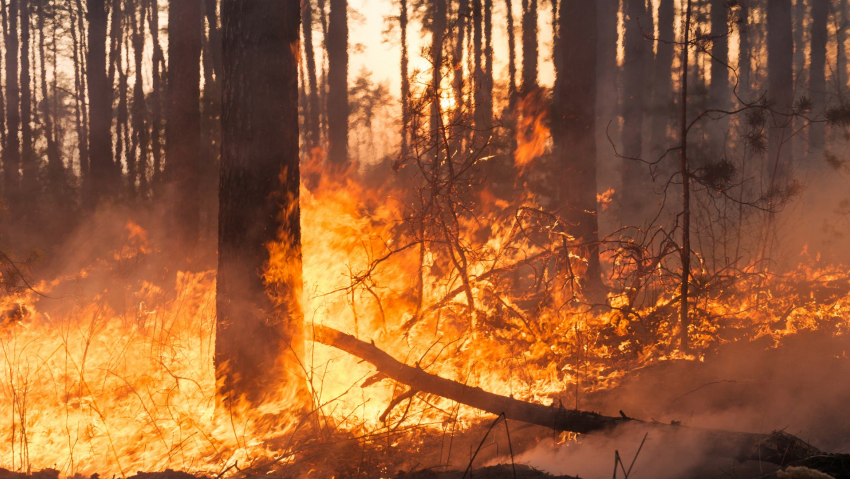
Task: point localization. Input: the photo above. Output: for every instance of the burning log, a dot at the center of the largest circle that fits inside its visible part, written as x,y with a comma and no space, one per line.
777,447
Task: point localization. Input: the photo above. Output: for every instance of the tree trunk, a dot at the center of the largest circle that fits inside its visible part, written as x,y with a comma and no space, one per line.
478,67
183,126
12,149
457,53
509,14
257,336
29,163
312,125
636,198
337,108
817,75
4,18
405,81
744,70
55,169
103,169
487,113
574,131
122,145
776,447
718,93
139,111
157,62
663,100
780,89
529,45
438,31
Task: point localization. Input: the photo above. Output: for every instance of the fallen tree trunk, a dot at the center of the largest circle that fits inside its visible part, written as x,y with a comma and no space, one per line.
777,447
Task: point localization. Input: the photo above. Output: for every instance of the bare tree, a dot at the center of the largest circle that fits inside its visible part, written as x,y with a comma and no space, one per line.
337,107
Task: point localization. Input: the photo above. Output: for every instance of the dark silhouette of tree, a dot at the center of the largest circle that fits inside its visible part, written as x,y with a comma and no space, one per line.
574,128
312,125
4,20
157,63
780,88
405,81
817,75
744,69
529,45
12,149
258,198
55,169
139,110
183,126
663,101
719,89
607,72
457,53
487,84
438,32
635,190
478,76
509,19
337,106
103,170
80,109
29,162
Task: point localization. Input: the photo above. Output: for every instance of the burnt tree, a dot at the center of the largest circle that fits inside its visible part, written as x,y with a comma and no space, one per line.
183,125
258,198
780,89
529,45
337,108
12,148
103,171
312,125
574,130
817,75
635,199
29,163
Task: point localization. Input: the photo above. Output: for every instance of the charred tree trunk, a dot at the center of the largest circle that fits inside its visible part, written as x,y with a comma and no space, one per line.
80,114
29,163
718,90
780,89
337,107
663,100
438,31
157,62
4,21
487,112
777,447
183,126
122,145
457,53
478,67
574,131
529,45
256,335
210,122
405,81
103,171
313,96
139,111
55,169
636,190
12,148
817,75
744,70
509,14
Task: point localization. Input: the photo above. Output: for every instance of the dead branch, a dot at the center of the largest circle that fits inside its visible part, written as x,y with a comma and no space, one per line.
777,447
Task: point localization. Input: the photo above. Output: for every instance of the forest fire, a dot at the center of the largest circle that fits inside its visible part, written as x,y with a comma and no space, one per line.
223,257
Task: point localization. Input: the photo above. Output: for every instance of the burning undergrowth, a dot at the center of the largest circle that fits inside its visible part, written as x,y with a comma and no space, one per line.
107,367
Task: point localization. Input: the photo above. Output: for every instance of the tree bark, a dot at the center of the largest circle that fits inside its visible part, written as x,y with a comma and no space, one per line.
478,67
487,113
663,99
157,62
777,447
12,149
256,335
313,96
574,131
744,70
405,81
817,75
337,107
780,89
4,51
55,169
103,171
139,111
29,163
183,126
529,45
438,31
636,197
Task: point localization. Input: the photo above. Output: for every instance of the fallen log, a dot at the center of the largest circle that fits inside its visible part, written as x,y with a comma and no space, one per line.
777,447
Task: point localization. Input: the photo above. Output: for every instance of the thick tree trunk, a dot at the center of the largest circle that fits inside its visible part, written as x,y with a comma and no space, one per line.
817,75
457,53
487,113
574,131
210,122
744,70
478,67
337,107
777,447
438,31
183,126
312,125
637,196
256,336
780,89
509,18
12,148
103,171
4,18
663,99
529,45
122,145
